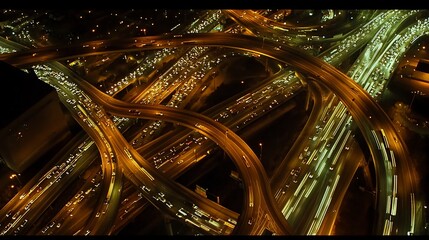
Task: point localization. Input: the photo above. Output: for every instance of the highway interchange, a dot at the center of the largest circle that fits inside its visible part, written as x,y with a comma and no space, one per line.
343,102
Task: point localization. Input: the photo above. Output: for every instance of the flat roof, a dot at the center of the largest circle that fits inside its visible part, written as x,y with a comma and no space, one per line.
423,66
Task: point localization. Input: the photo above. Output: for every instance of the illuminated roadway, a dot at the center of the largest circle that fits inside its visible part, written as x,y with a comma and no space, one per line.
332,30
344,90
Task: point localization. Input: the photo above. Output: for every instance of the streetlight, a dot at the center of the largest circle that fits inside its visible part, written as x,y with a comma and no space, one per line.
260,153
15,176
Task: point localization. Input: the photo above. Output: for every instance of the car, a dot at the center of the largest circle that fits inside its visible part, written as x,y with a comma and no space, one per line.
15,215
295,180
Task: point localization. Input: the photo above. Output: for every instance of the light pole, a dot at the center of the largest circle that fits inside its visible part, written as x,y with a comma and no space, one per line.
412,100
15,176
260,153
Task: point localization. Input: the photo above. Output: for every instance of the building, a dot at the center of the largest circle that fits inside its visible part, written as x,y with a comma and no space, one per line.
33,120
